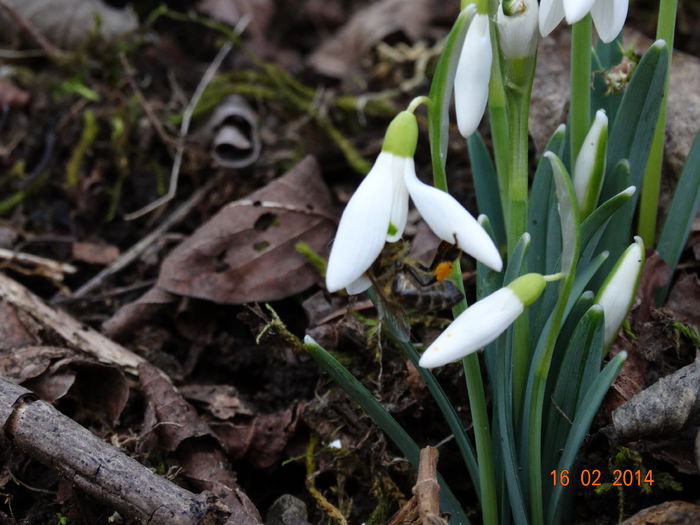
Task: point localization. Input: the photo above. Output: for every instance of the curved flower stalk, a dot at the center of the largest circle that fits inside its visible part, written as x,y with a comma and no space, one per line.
617,292
484,321
472,75
608,15
377,211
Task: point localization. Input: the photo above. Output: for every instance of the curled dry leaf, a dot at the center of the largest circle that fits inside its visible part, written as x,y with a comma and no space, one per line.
132,314
175,419
246,252
68,23
232,131
342,55
668,406
11,95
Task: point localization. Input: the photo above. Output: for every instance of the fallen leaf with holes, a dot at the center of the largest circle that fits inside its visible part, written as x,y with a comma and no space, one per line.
247,253
665,408
341,56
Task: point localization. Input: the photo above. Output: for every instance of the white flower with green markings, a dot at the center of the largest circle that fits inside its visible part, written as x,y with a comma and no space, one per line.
484,321
608,15
589,169
377,211
617,293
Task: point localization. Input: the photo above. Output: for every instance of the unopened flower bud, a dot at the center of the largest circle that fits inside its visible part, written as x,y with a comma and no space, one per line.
590,165
517,28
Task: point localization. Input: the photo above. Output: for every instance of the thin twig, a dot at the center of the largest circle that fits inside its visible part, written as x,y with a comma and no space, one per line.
137,249
51,51
184,128
56,269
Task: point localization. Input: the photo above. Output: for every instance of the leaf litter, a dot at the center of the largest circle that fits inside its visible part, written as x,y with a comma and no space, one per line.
224,413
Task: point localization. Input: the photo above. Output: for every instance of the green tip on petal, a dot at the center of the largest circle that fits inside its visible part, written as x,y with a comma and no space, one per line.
528,287
402,135
393,230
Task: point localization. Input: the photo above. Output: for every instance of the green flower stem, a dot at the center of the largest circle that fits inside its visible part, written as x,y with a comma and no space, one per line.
482,6
519,75
580,103
482,434
498,118
665,29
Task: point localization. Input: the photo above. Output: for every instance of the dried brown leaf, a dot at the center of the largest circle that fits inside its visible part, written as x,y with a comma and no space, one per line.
667,513
70,22
684,300
666,407
258,13
222,401
28,362
175,419
17,328
132,314
341,55
246,252
93,253
11,95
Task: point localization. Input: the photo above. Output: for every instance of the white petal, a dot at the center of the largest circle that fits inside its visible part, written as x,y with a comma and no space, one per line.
452,223
363,226
551,13
474,328
359,285
617,292
575,10
472,76
609,17
399,203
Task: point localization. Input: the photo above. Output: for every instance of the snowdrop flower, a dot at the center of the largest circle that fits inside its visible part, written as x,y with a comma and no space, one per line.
484,321
472,76
590,165
618,291
608,15
517,28
377,211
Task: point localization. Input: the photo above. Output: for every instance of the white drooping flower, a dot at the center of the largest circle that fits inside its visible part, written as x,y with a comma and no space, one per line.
517,28
617,293
483,321
608,15
589,169
472,76
377,211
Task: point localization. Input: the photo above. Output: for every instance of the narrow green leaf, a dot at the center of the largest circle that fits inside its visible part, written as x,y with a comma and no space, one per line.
588,409
441,94
599,218
682,211
587,337
633,129
488,197
384,419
